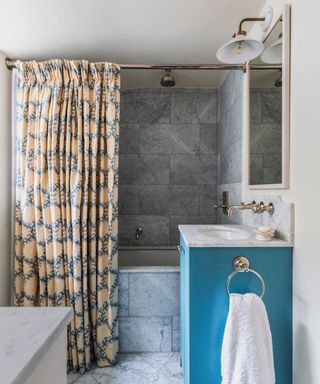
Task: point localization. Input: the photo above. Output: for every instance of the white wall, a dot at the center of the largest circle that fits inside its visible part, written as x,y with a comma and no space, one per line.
5,182
305,185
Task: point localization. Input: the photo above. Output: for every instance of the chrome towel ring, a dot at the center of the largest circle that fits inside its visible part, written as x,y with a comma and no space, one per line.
241,264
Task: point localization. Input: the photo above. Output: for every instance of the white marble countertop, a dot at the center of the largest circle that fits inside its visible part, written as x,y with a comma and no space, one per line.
26,334
195,237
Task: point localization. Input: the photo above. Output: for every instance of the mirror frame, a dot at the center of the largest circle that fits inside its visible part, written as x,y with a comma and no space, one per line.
286,36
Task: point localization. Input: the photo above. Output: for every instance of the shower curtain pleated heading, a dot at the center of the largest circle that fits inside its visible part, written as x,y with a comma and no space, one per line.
66,223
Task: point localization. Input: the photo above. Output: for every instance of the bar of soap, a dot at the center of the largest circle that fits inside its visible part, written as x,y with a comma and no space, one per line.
263,238
264,228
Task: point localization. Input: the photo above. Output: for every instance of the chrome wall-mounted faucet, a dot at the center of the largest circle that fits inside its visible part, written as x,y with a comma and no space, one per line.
256,208
139,231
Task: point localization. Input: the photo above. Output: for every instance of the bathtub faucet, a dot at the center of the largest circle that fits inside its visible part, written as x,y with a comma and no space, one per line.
139,231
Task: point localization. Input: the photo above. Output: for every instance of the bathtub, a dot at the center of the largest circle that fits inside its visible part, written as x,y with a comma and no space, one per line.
149,309
152,256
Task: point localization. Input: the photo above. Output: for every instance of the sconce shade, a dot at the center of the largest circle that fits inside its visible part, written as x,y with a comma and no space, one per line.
273,54
240,50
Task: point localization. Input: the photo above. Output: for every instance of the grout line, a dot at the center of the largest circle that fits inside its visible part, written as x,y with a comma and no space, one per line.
171,333
129,289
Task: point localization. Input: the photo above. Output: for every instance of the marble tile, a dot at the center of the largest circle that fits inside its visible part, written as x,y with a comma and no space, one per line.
169,138
154,294
282,221
272,168
154,199
184,200
147,107
129,138
169,199
128,199
271,107
195,108
208,138
138,368
129,169
192,169
145,334
256,168
265,138
155,229
231,91
231,164
123,294
208,198
154,169
176,220
255,107
144,169
176,334
230,126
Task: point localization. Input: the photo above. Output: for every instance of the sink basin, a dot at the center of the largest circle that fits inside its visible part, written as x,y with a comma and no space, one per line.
225,233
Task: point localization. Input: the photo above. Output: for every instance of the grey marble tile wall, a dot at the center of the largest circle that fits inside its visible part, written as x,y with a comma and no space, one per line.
168,162
229,144
149,311
265,136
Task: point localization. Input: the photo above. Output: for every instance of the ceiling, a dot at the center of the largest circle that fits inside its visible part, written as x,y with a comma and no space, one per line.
126,31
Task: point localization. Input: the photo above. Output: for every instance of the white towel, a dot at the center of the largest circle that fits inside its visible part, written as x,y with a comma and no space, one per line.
247,353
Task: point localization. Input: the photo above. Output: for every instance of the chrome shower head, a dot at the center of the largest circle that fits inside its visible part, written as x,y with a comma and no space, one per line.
167,80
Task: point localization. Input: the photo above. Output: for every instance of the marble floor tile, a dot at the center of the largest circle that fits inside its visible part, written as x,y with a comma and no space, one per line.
139,368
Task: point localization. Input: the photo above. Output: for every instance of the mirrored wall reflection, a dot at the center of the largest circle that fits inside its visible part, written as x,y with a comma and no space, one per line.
265,129
266,114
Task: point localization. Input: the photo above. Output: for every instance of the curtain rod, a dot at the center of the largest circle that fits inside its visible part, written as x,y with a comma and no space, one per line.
11,63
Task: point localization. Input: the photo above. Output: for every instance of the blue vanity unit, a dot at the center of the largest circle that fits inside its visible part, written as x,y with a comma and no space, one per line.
207,254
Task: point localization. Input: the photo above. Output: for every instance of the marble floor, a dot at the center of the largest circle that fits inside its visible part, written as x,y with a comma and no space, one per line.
135,368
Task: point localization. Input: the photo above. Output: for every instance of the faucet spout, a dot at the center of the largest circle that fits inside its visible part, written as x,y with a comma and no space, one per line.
241,207
256,208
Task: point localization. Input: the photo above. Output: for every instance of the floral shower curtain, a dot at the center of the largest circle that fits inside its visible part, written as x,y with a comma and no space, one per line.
67,200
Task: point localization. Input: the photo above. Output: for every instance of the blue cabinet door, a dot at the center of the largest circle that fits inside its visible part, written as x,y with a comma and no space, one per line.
204,306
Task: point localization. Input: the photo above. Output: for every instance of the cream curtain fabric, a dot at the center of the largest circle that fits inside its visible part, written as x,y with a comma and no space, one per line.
67,200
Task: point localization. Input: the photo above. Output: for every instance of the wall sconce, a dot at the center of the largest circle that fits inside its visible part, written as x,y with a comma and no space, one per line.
242,48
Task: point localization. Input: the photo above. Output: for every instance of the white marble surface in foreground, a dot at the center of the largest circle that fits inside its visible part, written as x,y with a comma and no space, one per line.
193,237
26,334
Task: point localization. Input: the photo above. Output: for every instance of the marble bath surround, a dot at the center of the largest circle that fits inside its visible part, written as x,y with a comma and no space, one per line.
149,309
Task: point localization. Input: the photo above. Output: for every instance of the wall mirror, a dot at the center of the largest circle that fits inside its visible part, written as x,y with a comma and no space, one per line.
269,110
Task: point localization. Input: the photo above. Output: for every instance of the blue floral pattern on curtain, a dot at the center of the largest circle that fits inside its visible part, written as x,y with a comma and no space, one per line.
66,232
